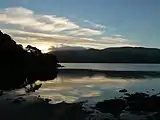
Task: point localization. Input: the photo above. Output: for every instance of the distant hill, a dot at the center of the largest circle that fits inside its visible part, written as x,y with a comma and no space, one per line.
110,55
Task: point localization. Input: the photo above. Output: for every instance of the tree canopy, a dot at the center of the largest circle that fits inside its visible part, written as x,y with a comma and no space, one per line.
19,66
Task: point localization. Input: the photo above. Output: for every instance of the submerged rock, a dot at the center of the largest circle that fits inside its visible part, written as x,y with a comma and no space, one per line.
123,90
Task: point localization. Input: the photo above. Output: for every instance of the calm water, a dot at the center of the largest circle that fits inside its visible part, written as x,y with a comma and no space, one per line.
96,87
113,66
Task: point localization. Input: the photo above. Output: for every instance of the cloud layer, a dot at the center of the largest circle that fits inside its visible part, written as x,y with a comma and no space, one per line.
27,20
43,31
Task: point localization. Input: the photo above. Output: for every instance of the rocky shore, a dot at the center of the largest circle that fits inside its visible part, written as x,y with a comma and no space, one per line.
130,106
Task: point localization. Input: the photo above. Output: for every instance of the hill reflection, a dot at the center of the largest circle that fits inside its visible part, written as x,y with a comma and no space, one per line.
77,85
108,73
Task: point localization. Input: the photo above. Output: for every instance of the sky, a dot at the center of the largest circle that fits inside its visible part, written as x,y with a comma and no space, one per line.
83,23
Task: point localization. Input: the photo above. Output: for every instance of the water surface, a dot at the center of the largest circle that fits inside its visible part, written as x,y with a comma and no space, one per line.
75,86
113,66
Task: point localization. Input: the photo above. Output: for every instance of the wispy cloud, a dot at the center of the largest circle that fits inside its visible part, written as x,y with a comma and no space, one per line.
95,24
61,40
29,27
118,35
28,20
85,32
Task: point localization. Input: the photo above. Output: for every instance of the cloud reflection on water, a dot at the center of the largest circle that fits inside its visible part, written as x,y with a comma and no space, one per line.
72,89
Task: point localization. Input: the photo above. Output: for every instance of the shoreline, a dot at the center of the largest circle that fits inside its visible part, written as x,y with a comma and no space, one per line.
130,106
109,73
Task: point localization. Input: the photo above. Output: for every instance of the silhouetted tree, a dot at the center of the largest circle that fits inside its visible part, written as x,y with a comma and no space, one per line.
33,50
19,67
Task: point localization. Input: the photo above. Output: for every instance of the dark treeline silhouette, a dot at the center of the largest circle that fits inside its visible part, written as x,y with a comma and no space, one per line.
19,67
110,55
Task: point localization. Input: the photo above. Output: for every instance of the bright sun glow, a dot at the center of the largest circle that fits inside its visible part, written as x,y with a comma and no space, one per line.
43,48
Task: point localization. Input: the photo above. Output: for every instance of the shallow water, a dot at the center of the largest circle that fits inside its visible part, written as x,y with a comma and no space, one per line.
79,84
73,86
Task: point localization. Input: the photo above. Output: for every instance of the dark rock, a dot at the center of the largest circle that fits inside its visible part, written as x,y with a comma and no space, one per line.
143,102
9,99
147,91
156,116
113,106
16,101
47,100
127,94
123,90
136,96
1,92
